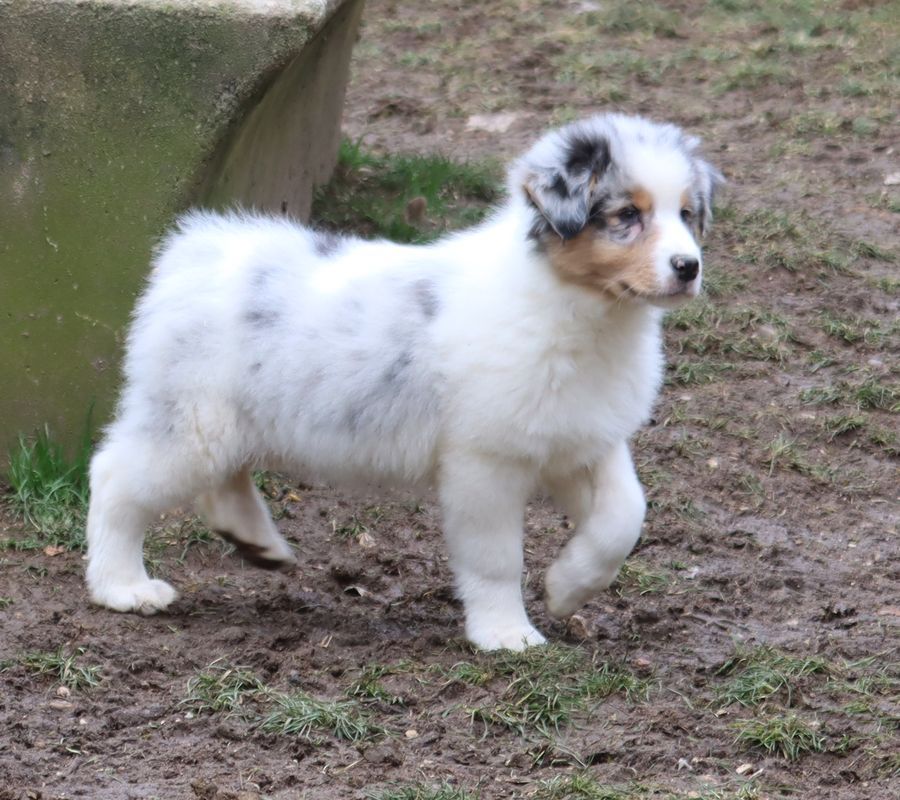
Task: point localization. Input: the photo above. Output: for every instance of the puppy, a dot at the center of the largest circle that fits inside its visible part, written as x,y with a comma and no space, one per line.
518,355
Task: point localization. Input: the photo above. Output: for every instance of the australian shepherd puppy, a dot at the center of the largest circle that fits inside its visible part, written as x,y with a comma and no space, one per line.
516,356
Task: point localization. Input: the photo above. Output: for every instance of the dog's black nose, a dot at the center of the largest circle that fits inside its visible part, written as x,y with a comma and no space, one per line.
686,267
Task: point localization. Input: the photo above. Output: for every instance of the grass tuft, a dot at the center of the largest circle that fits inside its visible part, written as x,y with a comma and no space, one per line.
368,685
787,736
647,18
63,668
49,490
581,787
547,685
759,673
299,714
842,424
444,791
640,578
222,687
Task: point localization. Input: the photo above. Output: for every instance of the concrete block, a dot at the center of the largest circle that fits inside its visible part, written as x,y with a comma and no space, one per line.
115,116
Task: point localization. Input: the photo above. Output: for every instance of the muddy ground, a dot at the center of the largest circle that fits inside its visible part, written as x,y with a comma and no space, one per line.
771,466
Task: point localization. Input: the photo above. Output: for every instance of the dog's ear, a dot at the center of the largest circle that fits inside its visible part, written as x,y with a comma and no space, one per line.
709,181
563,195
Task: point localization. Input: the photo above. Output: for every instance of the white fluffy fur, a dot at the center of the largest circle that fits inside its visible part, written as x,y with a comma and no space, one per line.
467,364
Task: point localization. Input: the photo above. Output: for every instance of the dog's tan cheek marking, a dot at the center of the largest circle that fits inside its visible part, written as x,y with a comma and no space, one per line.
642,199
592,261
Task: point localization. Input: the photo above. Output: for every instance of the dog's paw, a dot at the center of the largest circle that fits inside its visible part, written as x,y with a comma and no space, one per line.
563,596
512,637
146,596
276,553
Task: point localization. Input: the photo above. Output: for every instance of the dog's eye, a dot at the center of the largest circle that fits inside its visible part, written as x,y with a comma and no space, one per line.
687,215
628,215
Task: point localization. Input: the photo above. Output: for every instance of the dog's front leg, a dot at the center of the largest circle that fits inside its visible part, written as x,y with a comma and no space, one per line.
483,501
607,505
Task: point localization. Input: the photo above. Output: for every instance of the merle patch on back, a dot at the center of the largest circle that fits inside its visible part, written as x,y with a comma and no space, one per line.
326,243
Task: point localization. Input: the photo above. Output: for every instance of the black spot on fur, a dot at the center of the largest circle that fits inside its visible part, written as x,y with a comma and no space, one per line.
426,297
564,217
326,244
261,277
588,155
395,371
560,187
261,318
538,228
597,213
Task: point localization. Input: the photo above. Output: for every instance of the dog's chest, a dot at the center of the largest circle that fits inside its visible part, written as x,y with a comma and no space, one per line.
593,398
568,403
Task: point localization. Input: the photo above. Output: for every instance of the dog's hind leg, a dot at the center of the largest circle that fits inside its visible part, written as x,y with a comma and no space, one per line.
237,512
483,502
607,505
120,510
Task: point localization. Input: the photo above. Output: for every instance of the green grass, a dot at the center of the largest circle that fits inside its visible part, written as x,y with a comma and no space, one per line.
368,686
358,526
794,241
546,686
192,533
865,395
857,330
381,195
302,715
223,687
754,75
748,332
638,577
842,424
628,18
870,688
421,791
784,735
582,786
784,452
885,439
62,667
756,675
49,489
693,373
872,394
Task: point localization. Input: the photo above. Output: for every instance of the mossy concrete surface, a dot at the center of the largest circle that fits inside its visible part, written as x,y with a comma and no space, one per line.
115,116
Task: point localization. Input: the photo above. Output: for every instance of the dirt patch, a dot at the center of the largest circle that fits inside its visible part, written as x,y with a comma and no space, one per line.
771,467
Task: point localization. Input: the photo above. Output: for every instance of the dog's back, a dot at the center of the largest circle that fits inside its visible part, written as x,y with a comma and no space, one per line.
256,342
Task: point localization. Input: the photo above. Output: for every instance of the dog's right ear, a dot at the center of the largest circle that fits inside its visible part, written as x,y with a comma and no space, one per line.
562,195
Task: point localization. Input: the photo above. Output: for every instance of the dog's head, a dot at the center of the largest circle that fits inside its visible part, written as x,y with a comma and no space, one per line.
619,204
